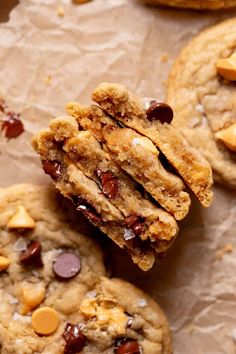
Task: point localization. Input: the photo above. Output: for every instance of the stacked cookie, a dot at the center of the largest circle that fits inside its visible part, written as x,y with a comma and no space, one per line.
55,297
124,167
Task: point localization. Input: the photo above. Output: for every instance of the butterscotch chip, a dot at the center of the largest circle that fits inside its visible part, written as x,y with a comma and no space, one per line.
227,67
45,320
21,219
4,263
32,296
106,314
228,137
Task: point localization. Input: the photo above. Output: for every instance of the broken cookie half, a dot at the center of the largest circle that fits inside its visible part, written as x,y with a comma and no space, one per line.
119,175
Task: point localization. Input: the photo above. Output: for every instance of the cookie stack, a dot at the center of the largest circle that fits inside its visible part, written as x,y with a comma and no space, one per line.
55,296
126,168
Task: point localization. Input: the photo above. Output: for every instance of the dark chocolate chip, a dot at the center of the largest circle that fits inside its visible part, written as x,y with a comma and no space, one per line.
127,346
67,265
12,126
134,223
137,228
75,339
110,186
32,255
161,112
131,220
88,210
52,168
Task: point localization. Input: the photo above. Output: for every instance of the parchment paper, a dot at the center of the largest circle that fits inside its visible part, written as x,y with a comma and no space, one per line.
47,60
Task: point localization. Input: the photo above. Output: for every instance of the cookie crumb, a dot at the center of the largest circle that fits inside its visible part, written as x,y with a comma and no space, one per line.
48,80
60,11
164,58
228,248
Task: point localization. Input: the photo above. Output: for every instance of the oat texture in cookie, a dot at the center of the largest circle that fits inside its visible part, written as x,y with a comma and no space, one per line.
55,298
202,91
195,4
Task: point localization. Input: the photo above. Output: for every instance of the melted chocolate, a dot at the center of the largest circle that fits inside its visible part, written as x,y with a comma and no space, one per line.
87,209
12,125
135,223
110,185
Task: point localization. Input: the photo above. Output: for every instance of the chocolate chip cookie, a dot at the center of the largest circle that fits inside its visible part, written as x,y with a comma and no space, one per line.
154,123
195,4
134,153
54,296
102,191
117,177
202,91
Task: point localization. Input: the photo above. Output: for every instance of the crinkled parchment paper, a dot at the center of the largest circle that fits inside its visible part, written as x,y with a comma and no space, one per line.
47,60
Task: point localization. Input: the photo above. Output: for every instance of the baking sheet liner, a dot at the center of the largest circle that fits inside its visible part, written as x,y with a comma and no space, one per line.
47,60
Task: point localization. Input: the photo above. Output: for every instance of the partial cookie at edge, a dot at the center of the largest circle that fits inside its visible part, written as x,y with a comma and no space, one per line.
203,102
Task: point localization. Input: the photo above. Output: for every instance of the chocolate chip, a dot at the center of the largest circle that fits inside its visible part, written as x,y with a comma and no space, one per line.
32,255
75,339
52,168
67,265
12,126
88,210
135,223
161,112
110,186
131,220
137,229
127,346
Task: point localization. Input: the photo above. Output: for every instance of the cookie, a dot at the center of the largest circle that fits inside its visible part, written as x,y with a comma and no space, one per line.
154,123
204,101
84,172
55,298
136,155
195,4
139,157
